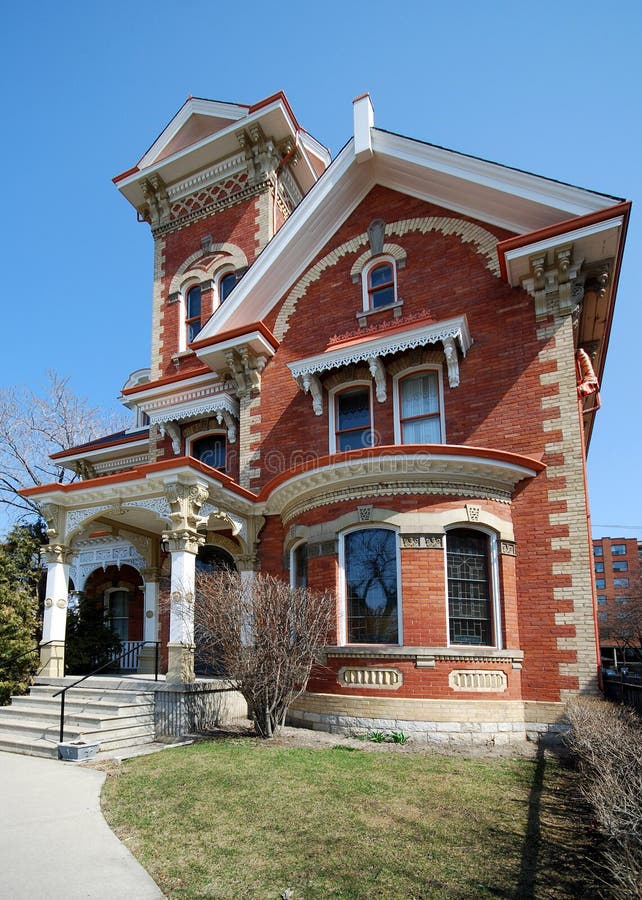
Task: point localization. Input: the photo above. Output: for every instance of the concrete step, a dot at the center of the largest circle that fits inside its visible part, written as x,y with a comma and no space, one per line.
102,682
91,706
87,730
10,743
11,715
95,695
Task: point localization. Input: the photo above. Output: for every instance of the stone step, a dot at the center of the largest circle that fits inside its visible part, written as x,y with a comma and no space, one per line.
10,743
101,682
91,706
97,695
136,715
107,731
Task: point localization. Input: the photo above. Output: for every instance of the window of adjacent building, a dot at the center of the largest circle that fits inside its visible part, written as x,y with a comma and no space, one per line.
210,450
601,600
620,565
419,414
370,568
193,312
600,584
601,616
599,566
618,549
352,419
379,284
299,566
621,582
622,599
470,602
597,551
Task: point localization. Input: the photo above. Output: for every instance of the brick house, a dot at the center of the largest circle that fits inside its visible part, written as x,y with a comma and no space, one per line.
376,374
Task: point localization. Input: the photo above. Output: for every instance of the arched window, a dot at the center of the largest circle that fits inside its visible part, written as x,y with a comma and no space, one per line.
419,413
226,283
370,569
211,558
193,312
352,419
210,450
470,589
381,284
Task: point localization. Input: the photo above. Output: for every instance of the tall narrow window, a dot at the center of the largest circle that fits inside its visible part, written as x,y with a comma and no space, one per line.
299,566
381,286
193,313
353,427
370,565
210,450
117,610
469,587
419,409
225,286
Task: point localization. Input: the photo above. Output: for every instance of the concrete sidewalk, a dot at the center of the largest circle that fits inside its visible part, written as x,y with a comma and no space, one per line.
54,841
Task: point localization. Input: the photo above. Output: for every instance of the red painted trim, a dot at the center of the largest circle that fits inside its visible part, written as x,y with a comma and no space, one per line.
99,445
271,99
390,450
169,379
532,237
126,174
237,332
376,333
141,473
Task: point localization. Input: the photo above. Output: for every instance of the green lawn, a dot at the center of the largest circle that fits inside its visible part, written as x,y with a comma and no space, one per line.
240,818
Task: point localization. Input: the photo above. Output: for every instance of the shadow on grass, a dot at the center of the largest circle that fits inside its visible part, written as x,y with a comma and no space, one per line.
559,854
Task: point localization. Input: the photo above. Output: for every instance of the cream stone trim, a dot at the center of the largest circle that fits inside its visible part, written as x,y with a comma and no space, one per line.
370,678
157,303
394,250
233,255
478,680
484,243
563,419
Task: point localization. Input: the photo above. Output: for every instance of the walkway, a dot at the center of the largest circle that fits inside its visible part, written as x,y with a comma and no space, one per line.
54,841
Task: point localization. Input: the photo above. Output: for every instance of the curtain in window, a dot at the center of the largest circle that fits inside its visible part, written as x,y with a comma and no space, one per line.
420,409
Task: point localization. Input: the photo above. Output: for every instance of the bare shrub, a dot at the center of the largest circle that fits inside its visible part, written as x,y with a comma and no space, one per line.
265,635
607,742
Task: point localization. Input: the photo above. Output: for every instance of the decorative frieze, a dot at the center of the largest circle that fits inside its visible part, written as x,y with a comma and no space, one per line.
421,541
370,677
478,680
508,548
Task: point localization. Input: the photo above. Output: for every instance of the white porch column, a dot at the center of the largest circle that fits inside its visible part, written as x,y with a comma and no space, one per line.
52,646
147,658
183,549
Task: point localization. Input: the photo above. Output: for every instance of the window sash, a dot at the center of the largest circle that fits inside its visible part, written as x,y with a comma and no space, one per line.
371,586
470,607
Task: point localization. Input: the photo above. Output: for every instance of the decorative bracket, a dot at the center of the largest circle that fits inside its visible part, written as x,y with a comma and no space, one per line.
555,273
224,417
174,432
450,352
245,368
312,384
378,372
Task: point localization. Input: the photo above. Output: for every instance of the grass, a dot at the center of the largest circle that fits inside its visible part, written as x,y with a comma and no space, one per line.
240,818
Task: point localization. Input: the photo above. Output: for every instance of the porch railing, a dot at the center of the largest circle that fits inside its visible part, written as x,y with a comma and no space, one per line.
129,655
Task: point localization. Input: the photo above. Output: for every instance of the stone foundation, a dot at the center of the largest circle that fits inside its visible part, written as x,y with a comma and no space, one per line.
430,721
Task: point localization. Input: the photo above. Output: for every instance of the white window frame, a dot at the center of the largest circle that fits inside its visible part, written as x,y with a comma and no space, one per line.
495,599
340,389
396,397
365,273
212,432
342,617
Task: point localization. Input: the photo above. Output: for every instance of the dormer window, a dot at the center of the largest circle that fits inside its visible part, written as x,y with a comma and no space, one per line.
193,313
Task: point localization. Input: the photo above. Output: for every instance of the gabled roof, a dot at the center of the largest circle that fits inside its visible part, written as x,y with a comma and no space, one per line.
204,132
516,201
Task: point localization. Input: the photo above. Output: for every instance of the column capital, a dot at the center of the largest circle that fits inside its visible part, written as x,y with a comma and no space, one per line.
150,574
185,500
57,553
183,541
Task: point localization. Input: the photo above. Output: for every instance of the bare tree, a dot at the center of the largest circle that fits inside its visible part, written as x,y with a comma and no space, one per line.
264,634
34,425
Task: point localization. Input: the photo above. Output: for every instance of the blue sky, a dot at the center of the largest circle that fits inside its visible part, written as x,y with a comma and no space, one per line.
555,89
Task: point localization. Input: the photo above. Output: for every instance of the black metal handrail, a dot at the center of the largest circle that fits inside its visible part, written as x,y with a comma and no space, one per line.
62,693
9,662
